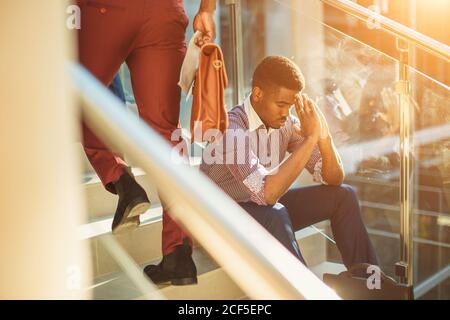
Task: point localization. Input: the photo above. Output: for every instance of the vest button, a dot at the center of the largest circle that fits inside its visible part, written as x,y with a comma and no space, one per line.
102,10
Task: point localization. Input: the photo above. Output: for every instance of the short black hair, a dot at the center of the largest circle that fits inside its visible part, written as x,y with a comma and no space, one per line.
278,71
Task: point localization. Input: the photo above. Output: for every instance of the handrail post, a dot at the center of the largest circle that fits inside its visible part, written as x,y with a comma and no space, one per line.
404,268
236,49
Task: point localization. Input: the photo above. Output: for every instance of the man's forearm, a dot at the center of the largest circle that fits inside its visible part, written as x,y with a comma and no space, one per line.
332,169
208,5
277,184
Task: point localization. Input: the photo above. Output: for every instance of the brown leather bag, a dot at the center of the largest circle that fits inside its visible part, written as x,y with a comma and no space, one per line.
349,286
208,104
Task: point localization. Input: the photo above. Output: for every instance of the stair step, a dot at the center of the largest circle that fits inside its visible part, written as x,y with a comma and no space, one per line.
123,287
213,283
144,244
102,225
101,203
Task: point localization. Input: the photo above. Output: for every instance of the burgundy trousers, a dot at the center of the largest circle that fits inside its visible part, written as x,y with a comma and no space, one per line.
149,35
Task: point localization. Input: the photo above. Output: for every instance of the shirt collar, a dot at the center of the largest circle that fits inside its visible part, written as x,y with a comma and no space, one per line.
254,121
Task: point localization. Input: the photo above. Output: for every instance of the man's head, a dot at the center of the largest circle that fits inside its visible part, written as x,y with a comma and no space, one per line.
276,82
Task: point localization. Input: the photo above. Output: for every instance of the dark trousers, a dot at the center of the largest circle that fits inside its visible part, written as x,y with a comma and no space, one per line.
149,35
117,89
302,207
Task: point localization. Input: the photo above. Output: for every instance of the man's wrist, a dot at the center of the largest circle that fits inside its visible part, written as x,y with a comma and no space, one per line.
208,11
208,6
312,139
325,142
326,139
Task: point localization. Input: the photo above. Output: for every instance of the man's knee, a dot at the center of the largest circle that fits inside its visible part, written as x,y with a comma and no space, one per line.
347,195
279,217
349,190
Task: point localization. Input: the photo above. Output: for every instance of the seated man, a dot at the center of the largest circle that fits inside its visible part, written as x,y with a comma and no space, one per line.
261,186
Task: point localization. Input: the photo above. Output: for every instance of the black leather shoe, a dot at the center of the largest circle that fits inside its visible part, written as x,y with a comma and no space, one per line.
133,202
178,268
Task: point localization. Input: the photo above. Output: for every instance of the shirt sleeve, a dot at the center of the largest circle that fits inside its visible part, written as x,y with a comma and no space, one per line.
243,163
314,164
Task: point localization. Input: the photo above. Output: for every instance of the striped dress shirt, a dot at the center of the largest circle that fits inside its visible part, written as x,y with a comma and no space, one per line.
240,161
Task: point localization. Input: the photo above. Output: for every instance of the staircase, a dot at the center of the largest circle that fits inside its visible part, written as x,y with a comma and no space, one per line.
143,245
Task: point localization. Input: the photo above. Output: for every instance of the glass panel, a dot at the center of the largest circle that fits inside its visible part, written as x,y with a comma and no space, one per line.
431,200
354,85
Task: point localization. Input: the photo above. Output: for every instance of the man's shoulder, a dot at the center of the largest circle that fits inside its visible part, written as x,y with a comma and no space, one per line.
237,117
237,111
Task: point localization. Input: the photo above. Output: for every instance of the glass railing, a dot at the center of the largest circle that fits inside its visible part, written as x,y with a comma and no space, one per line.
431,198
345,78
356,87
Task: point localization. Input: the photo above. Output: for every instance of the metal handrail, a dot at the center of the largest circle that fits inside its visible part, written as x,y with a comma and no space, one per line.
259,264
397,29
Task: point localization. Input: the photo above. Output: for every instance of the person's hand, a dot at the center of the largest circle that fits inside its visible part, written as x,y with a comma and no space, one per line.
309,118
325,131
204,22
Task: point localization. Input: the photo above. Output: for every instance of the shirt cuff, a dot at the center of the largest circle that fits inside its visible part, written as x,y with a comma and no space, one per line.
317,175
255,184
